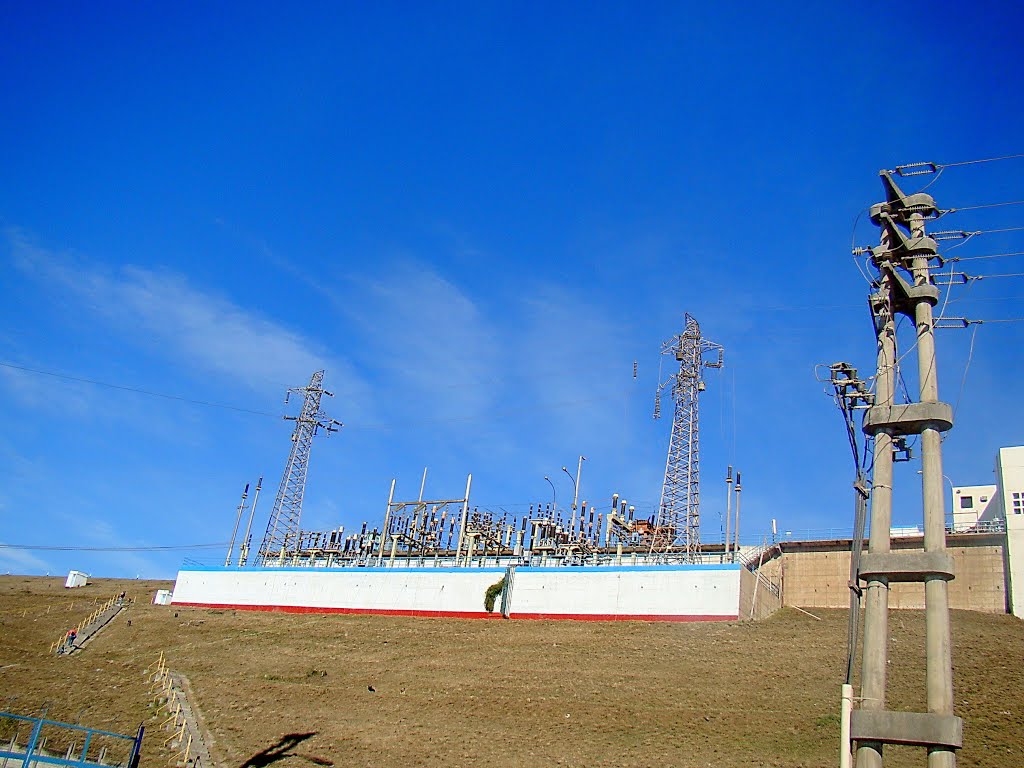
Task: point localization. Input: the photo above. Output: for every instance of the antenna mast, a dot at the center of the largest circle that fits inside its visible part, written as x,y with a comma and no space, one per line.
677,526
283,526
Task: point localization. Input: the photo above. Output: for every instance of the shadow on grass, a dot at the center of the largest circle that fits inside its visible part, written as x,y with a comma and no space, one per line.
282,750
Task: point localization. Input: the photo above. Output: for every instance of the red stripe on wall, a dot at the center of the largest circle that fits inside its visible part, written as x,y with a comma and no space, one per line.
623,617
459,614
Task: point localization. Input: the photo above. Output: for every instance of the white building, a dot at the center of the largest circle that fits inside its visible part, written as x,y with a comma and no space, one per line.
1008,505
970,503
1010,473
76,579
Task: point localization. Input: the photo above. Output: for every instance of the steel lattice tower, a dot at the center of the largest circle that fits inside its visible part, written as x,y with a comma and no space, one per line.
283,526
677,527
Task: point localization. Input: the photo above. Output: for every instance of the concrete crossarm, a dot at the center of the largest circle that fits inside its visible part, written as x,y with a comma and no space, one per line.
907,566
916,728
908,418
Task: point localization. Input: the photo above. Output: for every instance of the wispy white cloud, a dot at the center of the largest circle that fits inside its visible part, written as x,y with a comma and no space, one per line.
431,338
170,316
573,351
25,387
94,532
20,561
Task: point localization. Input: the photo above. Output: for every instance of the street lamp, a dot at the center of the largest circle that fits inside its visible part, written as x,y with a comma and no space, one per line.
952,500
575,489
554,503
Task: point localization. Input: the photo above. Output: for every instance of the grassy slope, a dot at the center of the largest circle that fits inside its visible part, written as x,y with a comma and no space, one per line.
496,693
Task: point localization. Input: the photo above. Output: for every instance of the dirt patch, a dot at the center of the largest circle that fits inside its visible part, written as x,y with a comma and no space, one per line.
400,692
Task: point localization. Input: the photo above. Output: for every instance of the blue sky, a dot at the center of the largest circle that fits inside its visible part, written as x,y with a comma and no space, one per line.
476,219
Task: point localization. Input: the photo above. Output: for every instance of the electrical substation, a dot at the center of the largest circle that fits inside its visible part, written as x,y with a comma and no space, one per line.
443,555
437,556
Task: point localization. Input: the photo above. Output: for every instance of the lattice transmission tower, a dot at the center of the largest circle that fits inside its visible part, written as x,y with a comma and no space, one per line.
283,526
677,527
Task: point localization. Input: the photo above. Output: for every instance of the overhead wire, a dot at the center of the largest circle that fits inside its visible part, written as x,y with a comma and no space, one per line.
985,256
947,211
937,168
136,390
989,277
967,367
983,160
155,548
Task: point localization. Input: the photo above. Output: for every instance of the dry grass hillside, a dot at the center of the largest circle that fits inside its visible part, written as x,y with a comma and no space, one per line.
492,693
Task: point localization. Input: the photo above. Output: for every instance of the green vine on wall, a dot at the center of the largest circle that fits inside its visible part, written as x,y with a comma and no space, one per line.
492,594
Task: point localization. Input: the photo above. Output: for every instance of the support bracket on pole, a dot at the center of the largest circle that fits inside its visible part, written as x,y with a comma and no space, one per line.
907,566
908,418
922,729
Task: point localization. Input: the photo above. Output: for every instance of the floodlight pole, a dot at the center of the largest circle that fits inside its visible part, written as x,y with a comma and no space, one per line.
575,490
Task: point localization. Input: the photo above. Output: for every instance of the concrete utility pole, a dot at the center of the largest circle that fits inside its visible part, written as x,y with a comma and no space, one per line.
243,554
728,511
736,533
238,520
904,248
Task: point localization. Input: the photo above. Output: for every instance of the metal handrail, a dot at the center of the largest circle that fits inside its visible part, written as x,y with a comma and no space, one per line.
32,752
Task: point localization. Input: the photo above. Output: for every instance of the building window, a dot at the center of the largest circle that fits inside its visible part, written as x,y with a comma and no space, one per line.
966,502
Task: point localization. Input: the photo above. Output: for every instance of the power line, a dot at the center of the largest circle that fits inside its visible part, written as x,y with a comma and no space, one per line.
962,278
986,298
984,160
137,391
979,207
985,256
987,277
946,323
167,548
967,367
921,169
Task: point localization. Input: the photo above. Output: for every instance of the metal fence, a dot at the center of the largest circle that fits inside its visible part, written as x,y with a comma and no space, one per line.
30,742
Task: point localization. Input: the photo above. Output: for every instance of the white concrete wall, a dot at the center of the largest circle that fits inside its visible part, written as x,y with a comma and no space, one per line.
1015,562
667,593
670,593
1010,474
404,591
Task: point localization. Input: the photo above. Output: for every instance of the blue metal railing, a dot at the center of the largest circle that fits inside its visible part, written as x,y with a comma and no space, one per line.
34,751
898,531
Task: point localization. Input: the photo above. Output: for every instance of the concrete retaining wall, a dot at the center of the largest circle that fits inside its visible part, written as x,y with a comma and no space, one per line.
647,593
816,574
757,600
